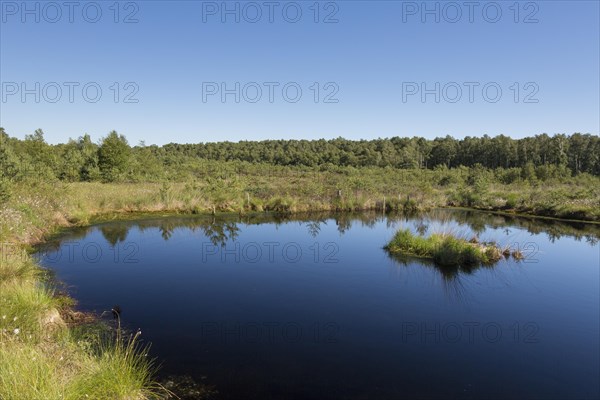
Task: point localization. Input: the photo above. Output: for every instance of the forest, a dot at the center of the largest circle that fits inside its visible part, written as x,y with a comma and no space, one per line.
113,159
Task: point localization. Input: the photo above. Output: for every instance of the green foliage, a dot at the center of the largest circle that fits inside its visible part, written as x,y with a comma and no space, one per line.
283,204
479,178
540,157
9,163
118,369
444,249
5,190
528,172
509,175
113,157
165,193
406,242
511,201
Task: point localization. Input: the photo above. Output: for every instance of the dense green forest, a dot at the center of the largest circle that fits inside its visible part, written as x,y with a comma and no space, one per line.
114,160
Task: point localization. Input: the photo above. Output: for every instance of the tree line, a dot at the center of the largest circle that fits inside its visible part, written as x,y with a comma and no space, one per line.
114,159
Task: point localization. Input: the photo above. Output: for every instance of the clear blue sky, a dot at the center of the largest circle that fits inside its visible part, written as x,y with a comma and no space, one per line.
372,54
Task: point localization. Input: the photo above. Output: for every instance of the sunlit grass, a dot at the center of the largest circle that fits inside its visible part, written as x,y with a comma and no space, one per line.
29,372
41,358
444,249
117,368
76,369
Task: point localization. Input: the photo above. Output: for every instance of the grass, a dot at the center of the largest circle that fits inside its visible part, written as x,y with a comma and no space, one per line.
42,358
117,368
444,249
75,370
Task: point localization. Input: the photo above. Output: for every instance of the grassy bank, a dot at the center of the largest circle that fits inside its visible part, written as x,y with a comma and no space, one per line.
446,249
48,351
42,357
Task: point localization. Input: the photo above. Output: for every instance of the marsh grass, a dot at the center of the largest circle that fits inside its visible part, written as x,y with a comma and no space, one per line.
42,358
30,372
116,368
517,255
24,299
445,249
16,267
77,369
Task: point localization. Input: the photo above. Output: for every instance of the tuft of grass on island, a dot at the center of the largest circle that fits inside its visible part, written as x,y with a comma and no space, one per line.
448,250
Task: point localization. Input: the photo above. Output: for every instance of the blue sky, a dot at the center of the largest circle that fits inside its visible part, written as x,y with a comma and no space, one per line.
376,58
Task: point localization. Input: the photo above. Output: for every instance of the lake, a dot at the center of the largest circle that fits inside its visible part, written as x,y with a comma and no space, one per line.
313,307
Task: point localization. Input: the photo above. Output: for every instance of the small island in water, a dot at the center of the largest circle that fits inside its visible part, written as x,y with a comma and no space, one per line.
448,250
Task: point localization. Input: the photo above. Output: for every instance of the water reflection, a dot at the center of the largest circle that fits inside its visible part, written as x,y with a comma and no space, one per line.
224,229
115,233
554,229
448,273
221,229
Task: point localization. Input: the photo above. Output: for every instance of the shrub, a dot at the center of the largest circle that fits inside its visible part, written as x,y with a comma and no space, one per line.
5,190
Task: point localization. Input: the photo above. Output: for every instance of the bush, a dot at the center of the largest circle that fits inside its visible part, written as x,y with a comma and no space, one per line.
5,190
511,201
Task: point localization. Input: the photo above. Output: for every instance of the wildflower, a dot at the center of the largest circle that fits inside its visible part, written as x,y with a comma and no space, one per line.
16,331
15,318
4,317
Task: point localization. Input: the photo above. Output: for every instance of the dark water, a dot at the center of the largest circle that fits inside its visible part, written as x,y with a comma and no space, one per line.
313,308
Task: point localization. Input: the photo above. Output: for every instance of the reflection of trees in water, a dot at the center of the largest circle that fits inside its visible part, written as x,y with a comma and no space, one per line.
219,232
115,233
554,229
314,227
219,229
343,225
166,231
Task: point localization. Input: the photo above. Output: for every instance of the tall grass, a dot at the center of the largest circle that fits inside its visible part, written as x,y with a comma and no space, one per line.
117,368
444,249
42,358
76,370
30,372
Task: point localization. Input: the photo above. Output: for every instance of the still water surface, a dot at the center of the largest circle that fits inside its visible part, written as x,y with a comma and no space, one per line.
312,307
